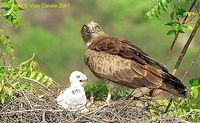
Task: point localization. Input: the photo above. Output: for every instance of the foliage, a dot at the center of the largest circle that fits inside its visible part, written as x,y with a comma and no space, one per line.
100,91
155,11
11,11
188,109
6,47
180,17
16,78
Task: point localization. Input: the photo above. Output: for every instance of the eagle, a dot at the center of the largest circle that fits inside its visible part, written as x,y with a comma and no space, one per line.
121,62
74,98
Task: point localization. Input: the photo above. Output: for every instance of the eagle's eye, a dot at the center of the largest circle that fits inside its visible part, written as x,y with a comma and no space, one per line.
97,28
85,27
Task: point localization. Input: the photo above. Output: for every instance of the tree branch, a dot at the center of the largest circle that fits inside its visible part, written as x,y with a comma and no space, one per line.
177,34
186,46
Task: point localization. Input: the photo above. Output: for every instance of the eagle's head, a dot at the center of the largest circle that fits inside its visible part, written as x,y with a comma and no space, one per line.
91,30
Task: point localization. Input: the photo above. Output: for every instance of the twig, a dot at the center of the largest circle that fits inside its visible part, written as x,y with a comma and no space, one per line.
197,11
186,46
177,34
28,102
169,104
190,65
43,117
171,48
31,110
21,67
89,113
27,61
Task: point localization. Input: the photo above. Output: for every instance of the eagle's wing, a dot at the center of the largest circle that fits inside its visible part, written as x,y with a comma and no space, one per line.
124,63
127,50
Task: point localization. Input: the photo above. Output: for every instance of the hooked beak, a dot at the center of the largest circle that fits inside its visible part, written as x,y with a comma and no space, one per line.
88,31
83,81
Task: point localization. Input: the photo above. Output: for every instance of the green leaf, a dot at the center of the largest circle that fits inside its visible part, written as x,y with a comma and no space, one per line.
15,84
49,82
173,24
3,98
39,76
171,32
7,90
194,82
187,27
155,11
25,85
172,15
33,74
194,92
180,12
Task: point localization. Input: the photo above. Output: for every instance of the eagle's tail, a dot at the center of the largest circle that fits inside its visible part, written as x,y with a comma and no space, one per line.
173,85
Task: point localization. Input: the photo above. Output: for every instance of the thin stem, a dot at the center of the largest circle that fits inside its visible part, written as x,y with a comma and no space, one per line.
190,65
197,11
171,48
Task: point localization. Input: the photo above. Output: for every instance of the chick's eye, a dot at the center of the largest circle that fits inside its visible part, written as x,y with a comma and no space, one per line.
78,76
97,27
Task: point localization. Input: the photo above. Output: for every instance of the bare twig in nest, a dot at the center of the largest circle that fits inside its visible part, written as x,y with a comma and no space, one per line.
31,110
92,112
121,110
28,101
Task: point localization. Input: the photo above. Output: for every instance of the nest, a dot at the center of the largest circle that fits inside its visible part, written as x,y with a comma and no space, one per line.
28,108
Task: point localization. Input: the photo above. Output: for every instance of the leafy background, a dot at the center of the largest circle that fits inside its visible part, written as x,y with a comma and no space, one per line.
54,34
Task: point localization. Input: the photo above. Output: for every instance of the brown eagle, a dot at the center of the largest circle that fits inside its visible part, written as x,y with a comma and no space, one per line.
121,62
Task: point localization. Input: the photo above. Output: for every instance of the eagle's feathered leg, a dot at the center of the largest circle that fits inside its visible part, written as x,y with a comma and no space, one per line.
110,87
109,95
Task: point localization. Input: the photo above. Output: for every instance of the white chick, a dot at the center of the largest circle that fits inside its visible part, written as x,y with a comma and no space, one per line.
73,98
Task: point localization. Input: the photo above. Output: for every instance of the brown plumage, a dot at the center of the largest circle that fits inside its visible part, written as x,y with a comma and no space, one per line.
119,61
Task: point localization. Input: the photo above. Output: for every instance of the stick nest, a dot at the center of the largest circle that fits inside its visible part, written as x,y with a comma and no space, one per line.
28,108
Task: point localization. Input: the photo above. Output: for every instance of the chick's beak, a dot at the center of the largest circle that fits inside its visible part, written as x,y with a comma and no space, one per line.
83,81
